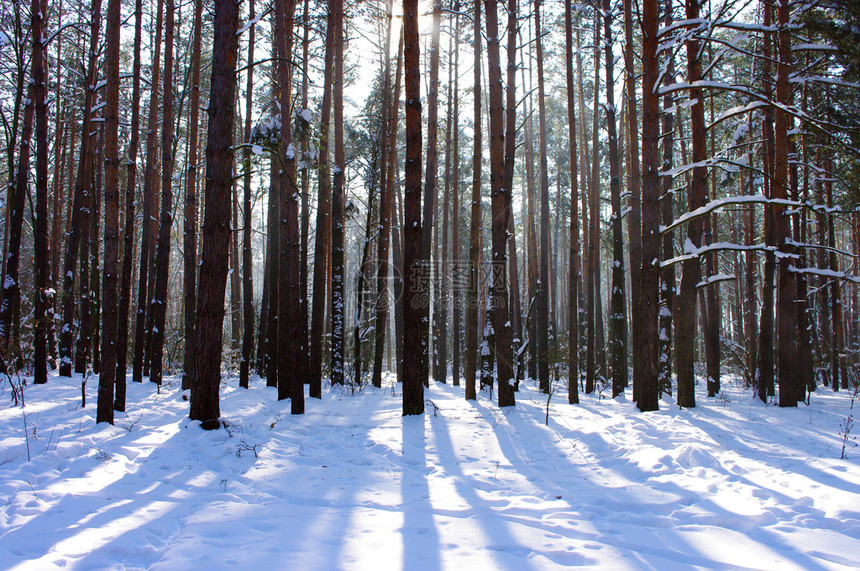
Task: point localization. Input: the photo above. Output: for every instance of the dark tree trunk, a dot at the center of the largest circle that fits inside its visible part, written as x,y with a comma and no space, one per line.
543,292
291,361
617,298
39,11
500,208
791,389
107,378
189,234
458,263
765,365
429,205
247,263
413,382
322,223
508,186
140,330
645,387
83,188
338,299
472,307
667,275
216,222
162,254
128,236
390,108
574,268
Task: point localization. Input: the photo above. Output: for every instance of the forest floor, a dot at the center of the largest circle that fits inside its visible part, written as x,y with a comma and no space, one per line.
354,485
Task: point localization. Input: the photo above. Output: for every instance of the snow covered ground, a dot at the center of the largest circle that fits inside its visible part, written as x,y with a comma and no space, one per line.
353,485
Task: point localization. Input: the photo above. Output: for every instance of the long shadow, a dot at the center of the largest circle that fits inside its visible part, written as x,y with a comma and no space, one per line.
493,519
419,534
526,448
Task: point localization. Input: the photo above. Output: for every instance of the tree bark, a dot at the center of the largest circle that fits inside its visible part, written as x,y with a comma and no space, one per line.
413,382
247,261
472,306
500,207
162,253
216,223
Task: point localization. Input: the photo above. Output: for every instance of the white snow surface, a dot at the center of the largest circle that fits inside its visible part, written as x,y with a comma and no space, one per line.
352,484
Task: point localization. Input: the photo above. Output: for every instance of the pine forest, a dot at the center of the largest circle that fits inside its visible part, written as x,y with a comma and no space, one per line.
518,284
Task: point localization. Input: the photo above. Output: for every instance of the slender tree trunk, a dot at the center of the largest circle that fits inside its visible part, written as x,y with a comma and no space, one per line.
11,350
594,364
667,275
338,299
129,231
500,208
390,108
83,187
791,389
543,293
472,306
189,235
575,274
216,224
685,320
291,361
162,253
322,223
508,186
140,330
765,365
429,204
306,186
273,256
617,298
39,11
645,386
247,263
105,405
458,268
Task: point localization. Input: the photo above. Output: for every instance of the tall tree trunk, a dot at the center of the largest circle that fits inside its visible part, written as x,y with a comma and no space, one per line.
500,208
129,231
765,365
594,364
617,298
508,186
291,361
574,268
685,320
472,306
247,263
338,299
634,176
791,389
390,108
456,250
216,223
189,233
83,188
413,349
11,350
162,253
543,292
273,256
322,222
107,377
429,204
39,11
645,386
306,187
667,275
140,330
